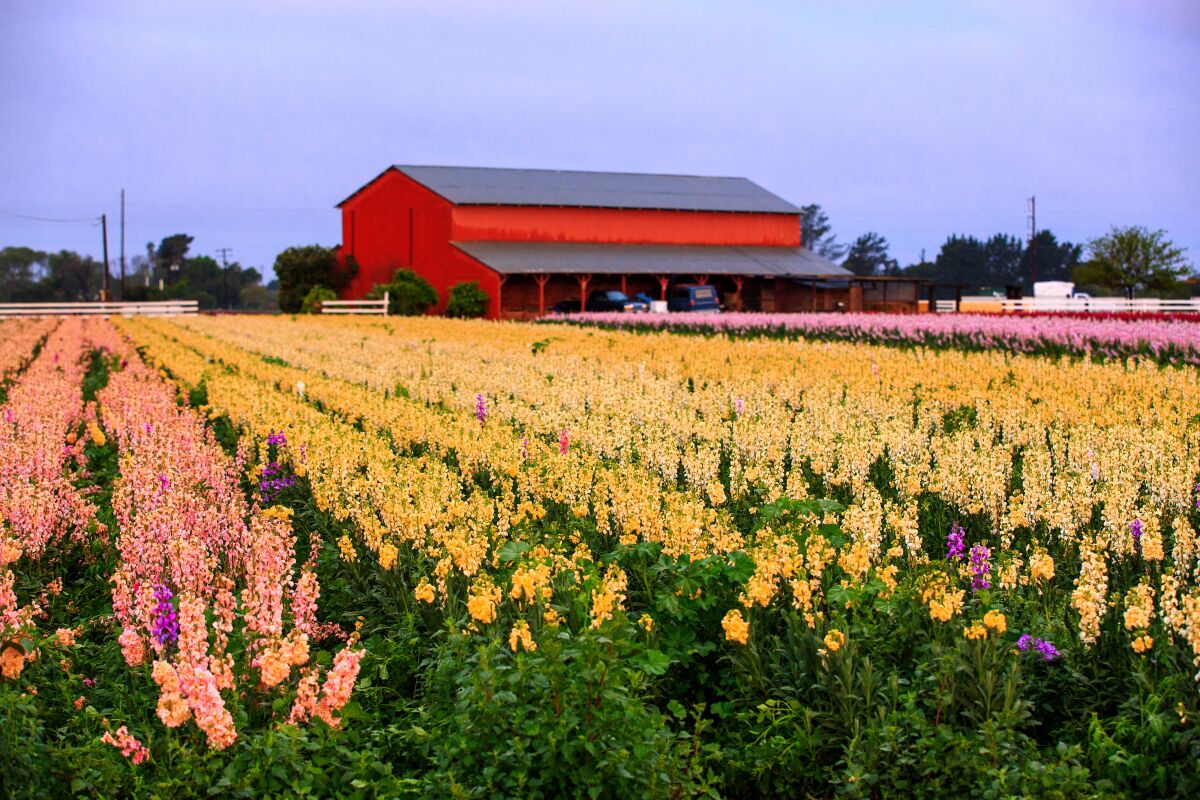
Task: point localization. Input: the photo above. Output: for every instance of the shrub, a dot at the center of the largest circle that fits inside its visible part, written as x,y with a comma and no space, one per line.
467,301
316,295
408,293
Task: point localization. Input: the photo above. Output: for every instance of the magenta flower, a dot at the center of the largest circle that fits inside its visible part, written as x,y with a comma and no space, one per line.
277,438
980,567
1135,528
955,543
564,441
739,406
481,409
165,624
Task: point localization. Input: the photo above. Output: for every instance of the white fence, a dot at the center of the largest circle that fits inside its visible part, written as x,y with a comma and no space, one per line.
1102,305
158,308
945,306
378,307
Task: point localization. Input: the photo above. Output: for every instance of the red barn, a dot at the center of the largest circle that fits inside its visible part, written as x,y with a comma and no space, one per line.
533,238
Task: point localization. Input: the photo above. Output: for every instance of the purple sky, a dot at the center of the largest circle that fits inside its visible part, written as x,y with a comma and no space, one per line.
244,123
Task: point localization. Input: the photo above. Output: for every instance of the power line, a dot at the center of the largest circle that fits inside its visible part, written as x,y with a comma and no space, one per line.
92,220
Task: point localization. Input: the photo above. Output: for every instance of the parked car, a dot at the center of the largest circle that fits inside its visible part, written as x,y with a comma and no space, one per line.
642,297
612,300
568,306
694,297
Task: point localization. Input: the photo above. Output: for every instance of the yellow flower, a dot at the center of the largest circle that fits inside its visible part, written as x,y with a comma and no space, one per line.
424,591
647,622
1142,643
551,617
834,640
975,631
736,628
520,637
482,603
346,548
996,621
1041,566
97,435
387,555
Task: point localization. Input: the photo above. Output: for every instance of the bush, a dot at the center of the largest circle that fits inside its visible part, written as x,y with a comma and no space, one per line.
316,295
300,269
467,301
408,293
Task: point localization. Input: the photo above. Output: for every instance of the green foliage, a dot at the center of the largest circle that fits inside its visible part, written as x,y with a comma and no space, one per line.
408,294
1132,260
299,269
316,295
816,233
869,256
466,300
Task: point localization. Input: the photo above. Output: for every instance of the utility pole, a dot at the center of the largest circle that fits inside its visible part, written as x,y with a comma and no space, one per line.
104,234
225,251
122,245
1033,237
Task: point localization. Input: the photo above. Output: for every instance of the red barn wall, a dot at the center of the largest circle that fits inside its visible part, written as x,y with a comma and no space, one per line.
378,225
624,226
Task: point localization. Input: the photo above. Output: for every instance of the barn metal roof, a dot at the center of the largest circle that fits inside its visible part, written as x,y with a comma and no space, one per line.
515,258
545,187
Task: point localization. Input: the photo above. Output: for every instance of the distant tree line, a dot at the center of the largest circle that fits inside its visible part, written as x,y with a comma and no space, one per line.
165,272
1124,261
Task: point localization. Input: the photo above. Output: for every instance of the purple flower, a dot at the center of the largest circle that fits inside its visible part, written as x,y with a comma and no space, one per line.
955,543
1135,528
1197,488
277,438
1049,652
165,624
980,567
481,409
524,448
164,483
1045,649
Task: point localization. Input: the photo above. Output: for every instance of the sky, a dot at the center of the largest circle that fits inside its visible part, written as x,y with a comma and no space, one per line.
245,123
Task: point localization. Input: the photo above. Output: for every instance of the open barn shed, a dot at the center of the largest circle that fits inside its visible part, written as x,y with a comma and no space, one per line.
535,238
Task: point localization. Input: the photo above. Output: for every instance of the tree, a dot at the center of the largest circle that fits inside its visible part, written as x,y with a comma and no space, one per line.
466,300
19,273
815,233
869,256
1055,261
172,251
299,269
1002,262
258,297
408,293
1134,259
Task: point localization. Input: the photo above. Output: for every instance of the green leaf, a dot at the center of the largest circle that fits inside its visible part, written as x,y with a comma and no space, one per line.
511,551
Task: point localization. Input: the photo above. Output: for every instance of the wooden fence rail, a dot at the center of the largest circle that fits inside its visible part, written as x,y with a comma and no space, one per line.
377,307
1103,305
156,308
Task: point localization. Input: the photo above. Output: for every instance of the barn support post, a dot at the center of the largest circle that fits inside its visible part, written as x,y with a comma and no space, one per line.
663,280
701,279
813,287
583,284
623,290
738,280
500,297
541,283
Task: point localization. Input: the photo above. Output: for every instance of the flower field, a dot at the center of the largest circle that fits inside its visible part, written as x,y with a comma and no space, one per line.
1165,338
418,557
